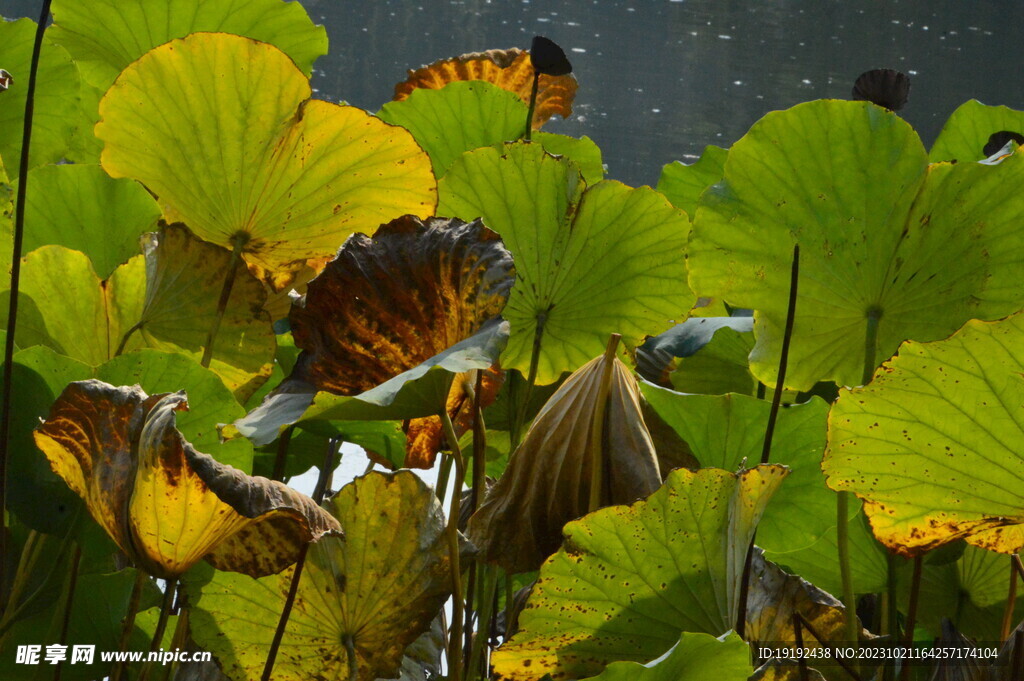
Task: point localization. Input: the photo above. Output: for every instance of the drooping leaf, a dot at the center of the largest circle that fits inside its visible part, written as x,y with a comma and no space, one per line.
460,117
184,280
884,238
727,431
56,99
166,505
656,358
382,584
695,657
105,36
683,184
82,208
589,261
549,476
629,579
965,134
508,69
934,444
222,130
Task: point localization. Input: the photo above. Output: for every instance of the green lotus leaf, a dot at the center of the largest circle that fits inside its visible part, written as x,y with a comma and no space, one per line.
210,402
166,505
718,368
886,241
222,130
184,280
56,100
383,441
933,444
105,36
656,358
683,184
695,657
965,134
460,117
63,304
727,431
629,579
6,220
381,585
589,261
84,146
580,150
82,208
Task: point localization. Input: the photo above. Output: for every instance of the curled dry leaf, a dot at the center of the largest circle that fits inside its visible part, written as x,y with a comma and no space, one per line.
388,303
509,69
166,505
547,482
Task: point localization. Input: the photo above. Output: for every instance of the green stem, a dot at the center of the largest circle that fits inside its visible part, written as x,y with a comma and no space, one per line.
444,472
510,596
238,241
533,106
596,442
161,626
281,456
179,638
458,606
12,306
69,601
520,407
845,572
488,587
129,622
1011,602
915,592
350,656
127,335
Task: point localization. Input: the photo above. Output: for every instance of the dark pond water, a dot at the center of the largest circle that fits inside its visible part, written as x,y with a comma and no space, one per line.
660,79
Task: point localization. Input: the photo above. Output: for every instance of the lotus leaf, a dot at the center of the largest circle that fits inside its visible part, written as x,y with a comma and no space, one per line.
508,69
222,130
933,444
965,134
166,505
6,219
629,579
589,261
580,150
56,100
548,480
656,358
695,657
381,585
890,248
683,184
105,36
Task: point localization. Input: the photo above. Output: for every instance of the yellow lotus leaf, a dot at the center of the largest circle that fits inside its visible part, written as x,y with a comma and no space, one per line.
166,505
222,130
508,69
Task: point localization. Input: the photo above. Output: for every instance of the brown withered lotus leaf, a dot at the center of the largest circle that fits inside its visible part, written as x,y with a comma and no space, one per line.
166,505
508,69
388,303
547,482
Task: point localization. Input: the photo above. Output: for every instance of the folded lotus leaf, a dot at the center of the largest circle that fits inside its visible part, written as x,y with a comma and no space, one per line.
166,505
382,585
548,479
390,302
509,69
222,130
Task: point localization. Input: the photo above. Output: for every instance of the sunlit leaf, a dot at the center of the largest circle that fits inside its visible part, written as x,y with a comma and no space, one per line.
166,505
6,220
104,36
968,129
934,444
222,130
718,368
695,657
548,479
683,184
382,584
508,69
56,98
883,238
656,358
82,208
629,579
580,150
84,146
589,261
460,117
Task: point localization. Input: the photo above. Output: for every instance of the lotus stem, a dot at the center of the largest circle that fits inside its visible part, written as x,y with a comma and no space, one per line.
489,583
519,408
458,606
533,105
69,602
915,592
179,637
350,654
281,456
1011,602
479,444
769,431
161,626
850,671
12,307
798,633
596,453
845,573
238,241
129,622
443,473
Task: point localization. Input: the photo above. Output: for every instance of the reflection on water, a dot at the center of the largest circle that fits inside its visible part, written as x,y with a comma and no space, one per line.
660,79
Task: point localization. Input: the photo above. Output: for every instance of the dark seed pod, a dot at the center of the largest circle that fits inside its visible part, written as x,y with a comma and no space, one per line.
548,58
884,87
999,139
6,79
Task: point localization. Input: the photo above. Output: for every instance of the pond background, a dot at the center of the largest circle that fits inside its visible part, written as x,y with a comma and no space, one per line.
661,79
